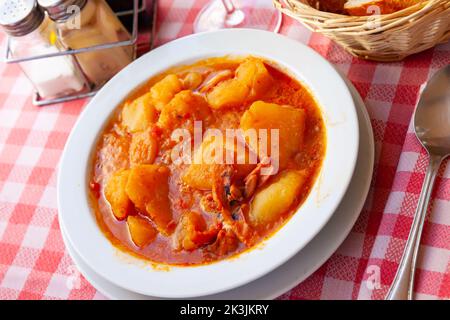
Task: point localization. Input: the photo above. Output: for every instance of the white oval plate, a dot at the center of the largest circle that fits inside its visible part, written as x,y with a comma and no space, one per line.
304,263
182,282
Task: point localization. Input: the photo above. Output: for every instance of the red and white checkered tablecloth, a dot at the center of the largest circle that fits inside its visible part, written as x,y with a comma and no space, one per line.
34,263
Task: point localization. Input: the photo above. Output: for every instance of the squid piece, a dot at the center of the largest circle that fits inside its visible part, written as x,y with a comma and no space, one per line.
141,230
225,243
215,78
116,195
164,90
256,179
276,198
234,215
192,232
139,114
288,120
148,188
208,204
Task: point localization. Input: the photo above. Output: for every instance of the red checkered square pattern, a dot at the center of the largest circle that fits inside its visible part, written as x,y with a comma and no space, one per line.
35,265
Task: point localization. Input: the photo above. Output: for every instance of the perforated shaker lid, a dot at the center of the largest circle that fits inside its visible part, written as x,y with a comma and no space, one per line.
58,9
20,17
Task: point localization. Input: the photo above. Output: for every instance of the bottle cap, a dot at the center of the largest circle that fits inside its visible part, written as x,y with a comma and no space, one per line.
61,10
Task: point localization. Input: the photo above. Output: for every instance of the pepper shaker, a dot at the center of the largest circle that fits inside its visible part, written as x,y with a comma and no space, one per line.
87,23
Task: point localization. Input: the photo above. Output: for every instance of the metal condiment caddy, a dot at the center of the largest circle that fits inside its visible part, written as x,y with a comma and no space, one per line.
39,101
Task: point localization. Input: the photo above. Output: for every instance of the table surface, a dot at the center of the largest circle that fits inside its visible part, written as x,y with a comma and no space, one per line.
34,263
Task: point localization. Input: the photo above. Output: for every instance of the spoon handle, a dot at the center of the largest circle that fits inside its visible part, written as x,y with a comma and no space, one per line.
403,286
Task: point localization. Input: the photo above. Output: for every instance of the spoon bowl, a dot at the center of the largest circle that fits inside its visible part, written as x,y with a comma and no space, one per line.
432,116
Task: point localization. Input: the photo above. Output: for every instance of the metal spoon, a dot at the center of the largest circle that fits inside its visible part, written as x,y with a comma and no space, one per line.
432,127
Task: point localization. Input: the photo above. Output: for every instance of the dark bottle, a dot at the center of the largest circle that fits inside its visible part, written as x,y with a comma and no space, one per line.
125,8
147,20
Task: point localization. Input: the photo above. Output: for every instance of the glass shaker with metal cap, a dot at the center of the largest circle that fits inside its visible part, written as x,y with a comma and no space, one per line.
30,35
87,23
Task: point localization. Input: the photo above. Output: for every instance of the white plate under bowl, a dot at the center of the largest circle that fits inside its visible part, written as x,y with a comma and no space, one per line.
304,263
133,274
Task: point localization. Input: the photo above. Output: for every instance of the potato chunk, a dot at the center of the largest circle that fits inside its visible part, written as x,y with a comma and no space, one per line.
289,120
143,148
148,189
199,175
228,94
139,114
250,83
116,195
185,104
164,90
142,231
277,198
254,75
192,80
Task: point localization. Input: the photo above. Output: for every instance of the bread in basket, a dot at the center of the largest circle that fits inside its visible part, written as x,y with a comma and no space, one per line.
390,31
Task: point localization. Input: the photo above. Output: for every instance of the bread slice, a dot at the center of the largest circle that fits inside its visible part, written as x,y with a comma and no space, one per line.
363,7
333,6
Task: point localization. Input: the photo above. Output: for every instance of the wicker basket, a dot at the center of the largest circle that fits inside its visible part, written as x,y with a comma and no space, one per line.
389,37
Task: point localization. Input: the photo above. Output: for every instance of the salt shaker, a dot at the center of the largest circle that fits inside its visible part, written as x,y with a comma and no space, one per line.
87,23
30,35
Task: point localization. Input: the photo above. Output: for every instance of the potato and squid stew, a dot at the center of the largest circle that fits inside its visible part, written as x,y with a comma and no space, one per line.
206,161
